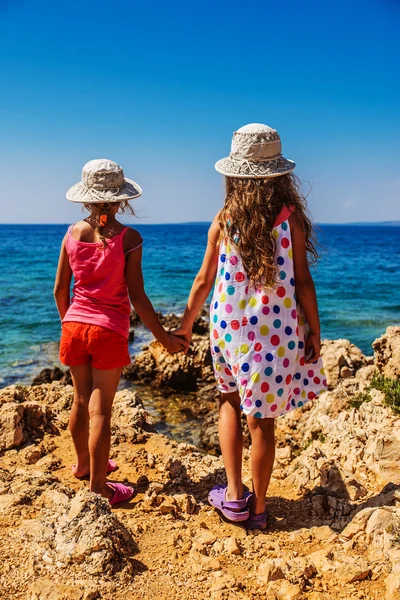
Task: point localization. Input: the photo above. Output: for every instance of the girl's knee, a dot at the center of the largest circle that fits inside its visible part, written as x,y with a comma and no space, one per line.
81,401
100,409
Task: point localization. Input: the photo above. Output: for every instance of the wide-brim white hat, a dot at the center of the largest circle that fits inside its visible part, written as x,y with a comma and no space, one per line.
256,153
103,180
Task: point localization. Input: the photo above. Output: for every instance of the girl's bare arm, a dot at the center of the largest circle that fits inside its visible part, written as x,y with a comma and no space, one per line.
203,282
142,304
62,283
305,289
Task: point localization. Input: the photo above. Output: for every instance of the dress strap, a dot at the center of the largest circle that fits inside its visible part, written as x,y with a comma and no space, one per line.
284,214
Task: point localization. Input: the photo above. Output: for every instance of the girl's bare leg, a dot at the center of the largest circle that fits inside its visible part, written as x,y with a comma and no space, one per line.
231,442
262,459
105,384
79,417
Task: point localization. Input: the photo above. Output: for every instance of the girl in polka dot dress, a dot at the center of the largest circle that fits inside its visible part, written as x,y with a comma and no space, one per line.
265,332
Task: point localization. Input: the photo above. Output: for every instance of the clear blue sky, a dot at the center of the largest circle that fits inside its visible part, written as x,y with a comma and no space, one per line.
160,86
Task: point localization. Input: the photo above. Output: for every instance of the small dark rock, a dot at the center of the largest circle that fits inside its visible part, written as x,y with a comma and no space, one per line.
48,375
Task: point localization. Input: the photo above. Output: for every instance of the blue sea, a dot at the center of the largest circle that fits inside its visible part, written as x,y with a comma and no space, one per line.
356,280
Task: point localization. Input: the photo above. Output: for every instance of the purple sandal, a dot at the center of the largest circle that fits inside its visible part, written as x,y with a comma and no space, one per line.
233,510
256,521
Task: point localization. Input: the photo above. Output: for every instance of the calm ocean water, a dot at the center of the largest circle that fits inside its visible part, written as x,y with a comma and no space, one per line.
356,280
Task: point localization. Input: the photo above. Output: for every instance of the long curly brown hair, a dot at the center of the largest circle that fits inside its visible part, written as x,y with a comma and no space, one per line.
98,210
247,219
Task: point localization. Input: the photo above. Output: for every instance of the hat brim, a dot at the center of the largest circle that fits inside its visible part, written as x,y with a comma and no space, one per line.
80,193
274,167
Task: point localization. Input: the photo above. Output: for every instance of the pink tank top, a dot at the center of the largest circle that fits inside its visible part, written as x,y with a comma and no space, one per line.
100,294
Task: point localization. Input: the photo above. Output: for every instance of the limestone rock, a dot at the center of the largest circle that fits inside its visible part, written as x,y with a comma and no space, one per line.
206,537
231,546
393,586
81,532
387,455
322,533
283,590
93,534
186,503
380,522
271,570
46,407
53,499
344,446
45,589
341,358
387,353
154,365
352,570
11,425
358,523
130,421
200,562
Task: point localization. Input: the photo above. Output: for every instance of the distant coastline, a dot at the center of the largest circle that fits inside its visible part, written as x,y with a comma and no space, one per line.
196,223
364,224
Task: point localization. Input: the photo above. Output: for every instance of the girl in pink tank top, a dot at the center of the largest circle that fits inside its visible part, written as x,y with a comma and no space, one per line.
104,258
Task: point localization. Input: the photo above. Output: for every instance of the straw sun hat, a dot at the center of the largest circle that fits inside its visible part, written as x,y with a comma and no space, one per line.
255,154
103,181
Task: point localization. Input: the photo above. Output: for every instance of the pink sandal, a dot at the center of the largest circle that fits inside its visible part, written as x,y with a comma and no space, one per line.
112,466
122,493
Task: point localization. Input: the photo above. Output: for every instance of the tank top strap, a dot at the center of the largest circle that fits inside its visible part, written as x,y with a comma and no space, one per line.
284,214
69,236
121,238
122,241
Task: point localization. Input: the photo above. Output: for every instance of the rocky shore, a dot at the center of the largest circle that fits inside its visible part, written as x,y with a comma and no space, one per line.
333,504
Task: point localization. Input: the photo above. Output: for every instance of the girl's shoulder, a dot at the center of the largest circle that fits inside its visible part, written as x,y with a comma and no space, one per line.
296,220
81,231
214,231
132,240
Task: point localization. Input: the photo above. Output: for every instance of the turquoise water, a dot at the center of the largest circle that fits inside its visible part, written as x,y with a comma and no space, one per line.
356,280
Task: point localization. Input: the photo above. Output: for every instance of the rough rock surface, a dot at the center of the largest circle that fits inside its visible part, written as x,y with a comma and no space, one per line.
341,359
333,504
387,353
155,366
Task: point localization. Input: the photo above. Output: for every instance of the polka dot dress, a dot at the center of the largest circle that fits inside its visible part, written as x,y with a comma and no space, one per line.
257,336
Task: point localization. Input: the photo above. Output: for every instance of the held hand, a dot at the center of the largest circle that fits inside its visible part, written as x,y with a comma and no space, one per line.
176,344
184,332
312,348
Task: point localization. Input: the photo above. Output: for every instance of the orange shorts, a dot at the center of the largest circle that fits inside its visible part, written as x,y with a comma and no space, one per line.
85,344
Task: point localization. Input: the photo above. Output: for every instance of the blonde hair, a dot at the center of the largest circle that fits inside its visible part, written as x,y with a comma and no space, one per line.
248,216
100,209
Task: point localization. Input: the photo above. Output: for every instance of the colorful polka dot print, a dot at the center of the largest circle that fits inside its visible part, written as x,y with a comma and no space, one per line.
258,335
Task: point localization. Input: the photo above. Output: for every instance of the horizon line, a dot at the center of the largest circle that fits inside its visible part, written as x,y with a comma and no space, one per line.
385,222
